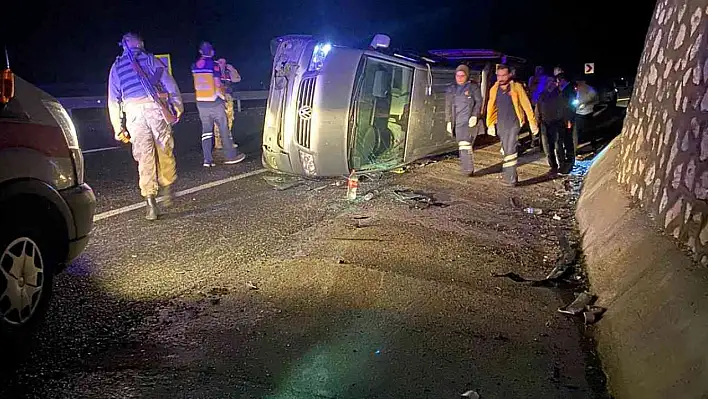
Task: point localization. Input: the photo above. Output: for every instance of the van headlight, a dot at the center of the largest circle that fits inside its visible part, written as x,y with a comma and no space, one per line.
72,139
308,163
318,56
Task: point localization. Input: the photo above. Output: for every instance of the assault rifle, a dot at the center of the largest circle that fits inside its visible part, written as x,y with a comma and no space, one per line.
160,99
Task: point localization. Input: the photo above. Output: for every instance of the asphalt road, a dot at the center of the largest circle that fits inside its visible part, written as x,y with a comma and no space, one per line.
247,291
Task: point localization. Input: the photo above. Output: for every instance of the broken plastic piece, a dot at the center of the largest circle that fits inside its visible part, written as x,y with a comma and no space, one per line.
371,195
559,271
579,304
471,394
593,314
556,217
251,286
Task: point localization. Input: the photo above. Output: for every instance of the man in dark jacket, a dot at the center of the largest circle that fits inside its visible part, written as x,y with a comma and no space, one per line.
555,113
463,105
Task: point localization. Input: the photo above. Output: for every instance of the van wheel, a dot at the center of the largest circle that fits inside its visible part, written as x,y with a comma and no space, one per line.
27,264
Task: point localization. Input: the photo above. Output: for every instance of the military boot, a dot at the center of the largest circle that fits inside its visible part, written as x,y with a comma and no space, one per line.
167,196
151,208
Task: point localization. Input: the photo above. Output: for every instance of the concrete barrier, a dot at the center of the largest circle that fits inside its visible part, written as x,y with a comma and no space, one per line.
653,340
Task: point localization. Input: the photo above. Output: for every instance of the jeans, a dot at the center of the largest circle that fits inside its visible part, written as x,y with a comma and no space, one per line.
212,113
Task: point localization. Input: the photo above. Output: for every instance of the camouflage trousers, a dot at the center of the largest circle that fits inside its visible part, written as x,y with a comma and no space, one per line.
153,144
229,102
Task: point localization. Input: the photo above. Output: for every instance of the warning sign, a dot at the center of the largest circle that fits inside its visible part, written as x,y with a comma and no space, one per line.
165,58
589,68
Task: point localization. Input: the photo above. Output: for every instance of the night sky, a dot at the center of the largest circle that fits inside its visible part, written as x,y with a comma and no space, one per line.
75,44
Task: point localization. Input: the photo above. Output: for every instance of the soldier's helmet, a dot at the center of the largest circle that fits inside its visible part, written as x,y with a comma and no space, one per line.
206,49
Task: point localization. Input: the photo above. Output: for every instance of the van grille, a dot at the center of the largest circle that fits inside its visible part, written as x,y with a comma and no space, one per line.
305,102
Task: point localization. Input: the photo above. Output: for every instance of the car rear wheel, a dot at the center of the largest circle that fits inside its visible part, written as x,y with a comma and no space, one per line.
27,264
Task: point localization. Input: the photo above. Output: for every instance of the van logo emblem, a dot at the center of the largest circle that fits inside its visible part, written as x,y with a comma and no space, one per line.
305,112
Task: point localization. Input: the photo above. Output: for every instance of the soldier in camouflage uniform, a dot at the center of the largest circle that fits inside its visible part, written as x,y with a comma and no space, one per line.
151,136
229,75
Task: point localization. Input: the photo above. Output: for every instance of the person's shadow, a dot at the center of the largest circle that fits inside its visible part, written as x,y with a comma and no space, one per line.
497,168
538,179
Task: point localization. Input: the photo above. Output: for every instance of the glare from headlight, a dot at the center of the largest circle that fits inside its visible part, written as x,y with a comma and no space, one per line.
318,56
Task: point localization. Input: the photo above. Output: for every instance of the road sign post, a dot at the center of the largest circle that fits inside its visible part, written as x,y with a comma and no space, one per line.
589,68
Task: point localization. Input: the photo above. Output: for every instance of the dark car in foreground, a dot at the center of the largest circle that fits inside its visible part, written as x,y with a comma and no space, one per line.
46,208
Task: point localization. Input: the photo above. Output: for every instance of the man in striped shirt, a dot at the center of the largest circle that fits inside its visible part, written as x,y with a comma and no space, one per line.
130,104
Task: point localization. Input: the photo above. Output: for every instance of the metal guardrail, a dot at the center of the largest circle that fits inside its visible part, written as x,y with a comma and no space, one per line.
72,103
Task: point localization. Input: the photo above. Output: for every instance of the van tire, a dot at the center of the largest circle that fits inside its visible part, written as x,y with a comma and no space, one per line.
30,234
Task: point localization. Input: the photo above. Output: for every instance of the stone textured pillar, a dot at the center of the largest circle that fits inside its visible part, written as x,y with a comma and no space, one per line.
664,143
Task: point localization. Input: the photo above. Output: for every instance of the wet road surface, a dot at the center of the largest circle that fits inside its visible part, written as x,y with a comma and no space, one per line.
245,291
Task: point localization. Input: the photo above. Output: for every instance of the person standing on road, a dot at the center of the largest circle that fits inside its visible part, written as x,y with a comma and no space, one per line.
463,105
149,132
229,75
568,92
210,97
554,114
537,84
507,111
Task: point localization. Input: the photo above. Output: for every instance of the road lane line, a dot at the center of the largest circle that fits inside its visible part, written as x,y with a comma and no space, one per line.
100,149
129,208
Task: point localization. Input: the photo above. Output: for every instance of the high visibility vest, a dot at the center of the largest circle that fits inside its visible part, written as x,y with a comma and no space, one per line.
207,80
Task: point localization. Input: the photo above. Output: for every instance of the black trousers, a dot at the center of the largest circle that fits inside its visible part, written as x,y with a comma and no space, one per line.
558,146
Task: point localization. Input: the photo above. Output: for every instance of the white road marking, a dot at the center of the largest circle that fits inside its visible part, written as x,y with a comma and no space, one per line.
129,208
100,149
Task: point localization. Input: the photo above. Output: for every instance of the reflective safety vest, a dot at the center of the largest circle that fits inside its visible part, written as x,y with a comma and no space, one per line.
207,80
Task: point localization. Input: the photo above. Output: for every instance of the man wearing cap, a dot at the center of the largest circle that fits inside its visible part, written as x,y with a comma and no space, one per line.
507,111
463,105
148,131
210,97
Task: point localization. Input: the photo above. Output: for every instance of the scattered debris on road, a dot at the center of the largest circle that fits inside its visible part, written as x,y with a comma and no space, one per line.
417,199
471,394
562,273
282,183
583,304
593,314
371,195
251,286
534,211
357,221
